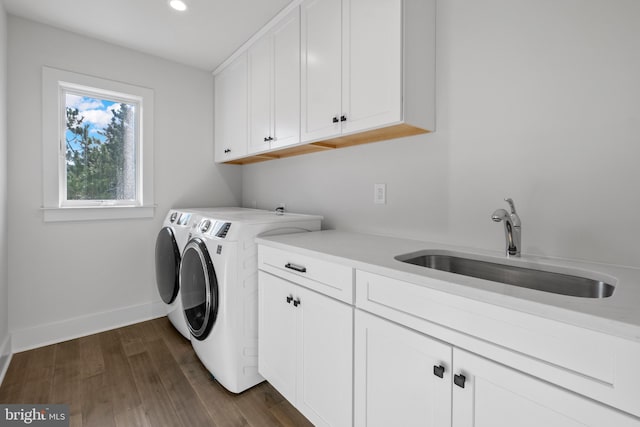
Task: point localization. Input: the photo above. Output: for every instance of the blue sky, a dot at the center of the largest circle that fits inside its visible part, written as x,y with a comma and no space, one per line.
96,112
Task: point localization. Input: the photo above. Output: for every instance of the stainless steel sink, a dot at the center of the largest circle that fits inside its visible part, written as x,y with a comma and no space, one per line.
541,280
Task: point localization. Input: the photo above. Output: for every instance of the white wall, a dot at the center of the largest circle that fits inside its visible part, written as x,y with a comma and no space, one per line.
72,278
5,344
536,100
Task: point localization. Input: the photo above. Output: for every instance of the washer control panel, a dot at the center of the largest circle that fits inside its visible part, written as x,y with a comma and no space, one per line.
180,218
217,229
205,225
184,219
223,230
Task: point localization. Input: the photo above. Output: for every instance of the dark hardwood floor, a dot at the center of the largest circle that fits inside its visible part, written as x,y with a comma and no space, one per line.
141,375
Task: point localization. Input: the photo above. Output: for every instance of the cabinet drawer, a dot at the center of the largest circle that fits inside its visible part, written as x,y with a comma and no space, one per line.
326,277
591,363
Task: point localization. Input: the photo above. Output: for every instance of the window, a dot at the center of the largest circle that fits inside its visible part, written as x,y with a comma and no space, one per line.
97,147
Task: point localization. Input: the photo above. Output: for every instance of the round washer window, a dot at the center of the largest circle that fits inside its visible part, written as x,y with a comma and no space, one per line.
199,288
167,265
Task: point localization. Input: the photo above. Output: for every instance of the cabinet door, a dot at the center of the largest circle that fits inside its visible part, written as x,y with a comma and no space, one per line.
497,396
286,82
260,87
325,373
395,381
277,334
321,80
372,64
230,120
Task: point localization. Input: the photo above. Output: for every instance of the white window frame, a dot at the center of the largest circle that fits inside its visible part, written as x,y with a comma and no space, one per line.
55,85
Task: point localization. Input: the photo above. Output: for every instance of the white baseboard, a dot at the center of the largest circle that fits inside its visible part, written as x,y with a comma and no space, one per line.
5,356
52,333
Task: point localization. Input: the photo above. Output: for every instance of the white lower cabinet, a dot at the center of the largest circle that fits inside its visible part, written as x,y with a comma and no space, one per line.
497,396
277,335
306,349
397,382
388,352
395,376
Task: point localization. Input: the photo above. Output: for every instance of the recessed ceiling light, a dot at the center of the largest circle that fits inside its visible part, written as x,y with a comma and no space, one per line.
178,5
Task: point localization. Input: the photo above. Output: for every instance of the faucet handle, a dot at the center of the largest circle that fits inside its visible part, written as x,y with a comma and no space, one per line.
511,205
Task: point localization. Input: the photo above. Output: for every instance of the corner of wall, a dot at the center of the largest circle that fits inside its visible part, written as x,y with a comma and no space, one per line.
64,330
5,336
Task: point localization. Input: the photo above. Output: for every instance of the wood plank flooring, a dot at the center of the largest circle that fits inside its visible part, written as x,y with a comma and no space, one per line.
141,375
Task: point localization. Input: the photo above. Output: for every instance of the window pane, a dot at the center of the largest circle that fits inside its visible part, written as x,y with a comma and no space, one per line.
100,149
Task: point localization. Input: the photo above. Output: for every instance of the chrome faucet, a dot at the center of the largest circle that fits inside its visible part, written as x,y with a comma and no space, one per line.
512,228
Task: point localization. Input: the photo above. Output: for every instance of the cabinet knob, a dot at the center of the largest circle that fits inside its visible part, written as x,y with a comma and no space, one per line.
270,138
459,380
227,150
296,302
266,139
438,371
343,118
335,120
289,299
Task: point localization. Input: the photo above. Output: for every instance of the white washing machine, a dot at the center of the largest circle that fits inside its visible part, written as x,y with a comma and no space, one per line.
219,290
170,243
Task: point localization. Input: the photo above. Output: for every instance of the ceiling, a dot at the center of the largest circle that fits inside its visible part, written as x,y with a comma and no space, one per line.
202,37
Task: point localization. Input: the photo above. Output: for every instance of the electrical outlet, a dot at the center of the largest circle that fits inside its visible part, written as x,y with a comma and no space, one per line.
379,194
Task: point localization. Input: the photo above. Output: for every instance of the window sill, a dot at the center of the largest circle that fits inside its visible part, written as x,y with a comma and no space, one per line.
97,213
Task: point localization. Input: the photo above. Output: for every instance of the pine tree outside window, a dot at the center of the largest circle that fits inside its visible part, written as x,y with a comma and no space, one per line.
97,146
101,147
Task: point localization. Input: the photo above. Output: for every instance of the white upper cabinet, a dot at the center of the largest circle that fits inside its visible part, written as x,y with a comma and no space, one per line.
321,39
372,64
274,86
327,74
353,60
286,81
260,92
351,66
231,111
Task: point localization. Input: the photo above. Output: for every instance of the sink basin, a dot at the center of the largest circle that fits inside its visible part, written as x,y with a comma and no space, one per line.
541,280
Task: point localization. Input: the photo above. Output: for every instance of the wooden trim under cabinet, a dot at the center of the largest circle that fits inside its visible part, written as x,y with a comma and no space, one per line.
375,135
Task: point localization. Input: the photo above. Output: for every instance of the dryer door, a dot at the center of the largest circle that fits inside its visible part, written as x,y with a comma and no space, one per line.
199,288
167,265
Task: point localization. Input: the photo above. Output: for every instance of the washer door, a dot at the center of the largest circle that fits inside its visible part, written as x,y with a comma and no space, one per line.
199,288
167,265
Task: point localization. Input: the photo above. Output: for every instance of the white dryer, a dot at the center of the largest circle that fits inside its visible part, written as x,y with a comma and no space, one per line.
170,243
219,290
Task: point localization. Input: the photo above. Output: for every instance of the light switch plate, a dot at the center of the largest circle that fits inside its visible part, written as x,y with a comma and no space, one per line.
379,194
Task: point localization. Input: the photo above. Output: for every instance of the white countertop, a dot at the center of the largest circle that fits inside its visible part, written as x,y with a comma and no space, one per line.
617,315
